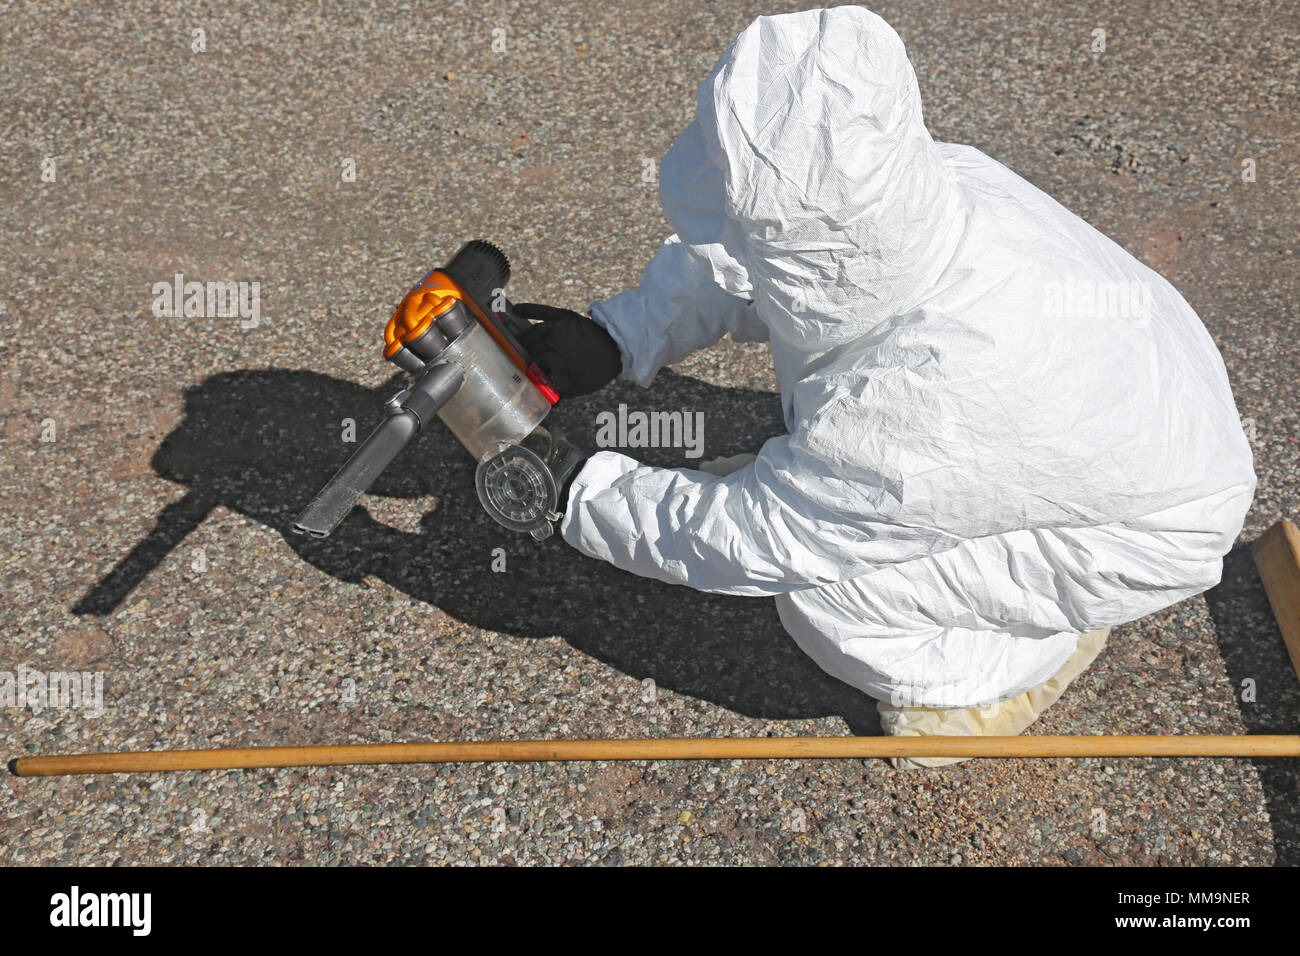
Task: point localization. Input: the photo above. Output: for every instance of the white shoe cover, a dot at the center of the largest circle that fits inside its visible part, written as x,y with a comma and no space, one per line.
1006,718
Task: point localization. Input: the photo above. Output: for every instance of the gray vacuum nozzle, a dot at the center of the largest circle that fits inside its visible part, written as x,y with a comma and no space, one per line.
408,410
333,502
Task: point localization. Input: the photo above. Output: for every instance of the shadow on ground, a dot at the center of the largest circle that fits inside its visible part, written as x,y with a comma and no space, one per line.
1253,650
262,442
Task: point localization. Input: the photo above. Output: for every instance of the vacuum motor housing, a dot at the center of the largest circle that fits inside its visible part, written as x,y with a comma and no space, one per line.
455,333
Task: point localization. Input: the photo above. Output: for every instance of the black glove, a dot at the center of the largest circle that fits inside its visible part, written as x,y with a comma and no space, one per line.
578,355
576,461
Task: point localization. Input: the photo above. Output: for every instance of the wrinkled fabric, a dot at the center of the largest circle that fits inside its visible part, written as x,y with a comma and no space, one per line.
988,452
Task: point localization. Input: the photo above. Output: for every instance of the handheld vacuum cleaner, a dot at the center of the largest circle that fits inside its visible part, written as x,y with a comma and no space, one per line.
456,335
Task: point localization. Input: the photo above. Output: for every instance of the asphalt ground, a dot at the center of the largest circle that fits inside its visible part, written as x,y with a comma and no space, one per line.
149,466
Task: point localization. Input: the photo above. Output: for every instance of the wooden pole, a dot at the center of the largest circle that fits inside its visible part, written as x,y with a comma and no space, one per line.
1277,555
692,748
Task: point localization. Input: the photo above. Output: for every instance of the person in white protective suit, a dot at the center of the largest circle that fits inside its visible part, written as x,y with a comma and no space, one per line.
1006,434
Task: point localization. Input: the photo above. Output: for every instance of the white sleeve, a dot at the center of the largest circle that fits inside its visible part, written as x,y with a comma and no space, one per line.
776,525
677,309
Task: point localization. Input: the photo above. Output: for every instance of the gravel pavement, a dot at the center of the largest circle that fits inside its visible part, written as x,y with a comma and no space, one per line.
149,466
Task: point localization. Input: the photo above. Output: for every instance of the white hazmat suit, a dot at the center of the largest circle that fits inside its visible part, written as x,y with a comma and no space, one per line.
1004,430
